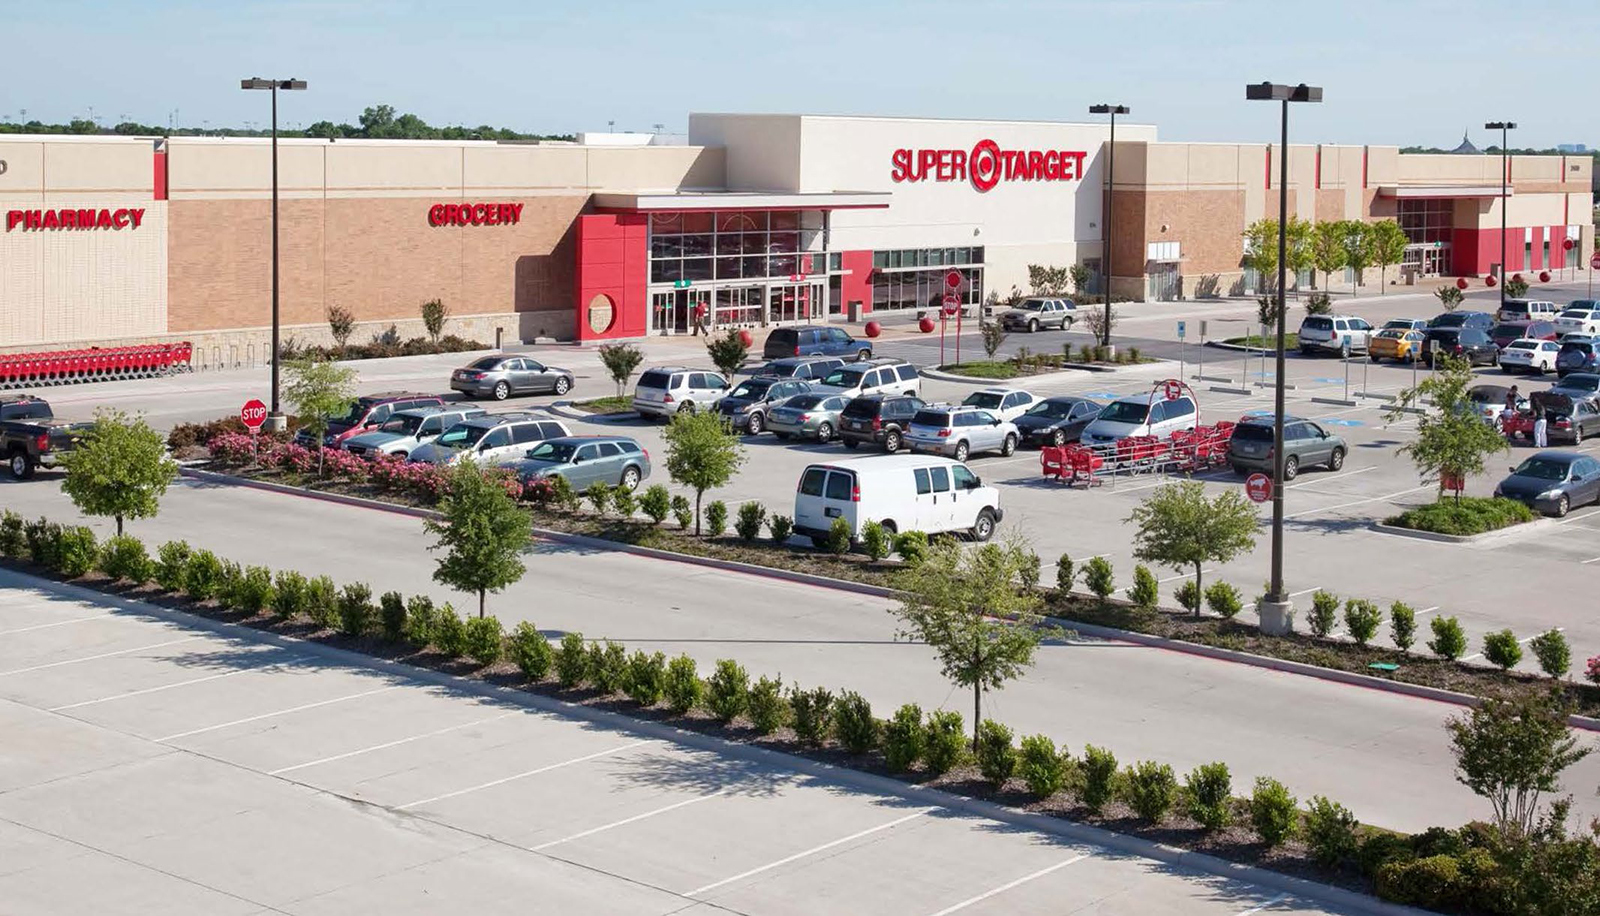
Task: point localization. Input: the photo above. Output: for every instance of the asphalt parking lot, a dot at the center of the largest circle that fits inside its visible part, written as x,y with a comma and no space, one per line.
159,764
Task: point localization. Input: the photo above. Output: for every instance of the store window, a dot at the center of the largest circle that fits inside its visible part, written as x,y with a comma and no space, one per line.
1426,221
736,245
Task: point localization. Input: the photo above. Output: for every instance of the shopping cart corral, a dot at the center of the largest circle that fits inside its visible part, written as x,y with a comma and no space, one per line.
1183,451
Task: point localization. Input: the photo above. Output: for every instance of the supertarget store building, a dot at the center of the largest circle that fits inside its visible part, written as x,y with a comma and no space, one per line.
756,220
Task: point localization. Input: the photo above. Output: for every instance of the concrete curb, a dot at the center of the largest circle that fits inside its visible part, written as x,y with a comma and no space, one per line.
867,782
1499,534
565,409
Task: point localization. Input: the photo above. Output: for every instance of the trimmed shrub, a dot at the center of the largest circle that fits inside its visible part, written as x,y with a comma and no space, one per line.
228,584
420,620
1324,615
13,539
1065,572
813,714
853,723
322,601
562,495
1402,626
608,666
289,594
1150,789
123,557
647,677
1553,653
253,592
449,632
944,741
682,512
1361,618
530,651
572,661
1434,882
1029,570
912,546
202,575
1041,766
1188,596
1330,831
1099,578
684,688
355,609
875,541
1146,591
656,503
1273,815
903,738
76,552
43,537
838,538
1099,777
1208,795
1381,847
599,496
171,562
485,639
392,616
997,755
781,527
1224,600
1500,648
624,502
1449,640
728,690
716,518
769,710
752,515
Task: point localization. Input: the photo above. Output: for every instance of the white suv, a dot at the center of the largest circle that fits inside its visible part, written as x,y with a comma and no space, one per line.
664,392
876,376
1337,333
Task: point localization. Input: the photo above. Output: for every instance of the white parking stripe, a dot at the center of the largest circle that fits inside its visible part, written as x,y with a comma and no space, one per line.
1273,902
1008,886
809,852
1370,499
389,744
1427,610
1304,591
1330,478
62,623
1588,561
280,712
629,820
193,680
90,658
533,772
1187,575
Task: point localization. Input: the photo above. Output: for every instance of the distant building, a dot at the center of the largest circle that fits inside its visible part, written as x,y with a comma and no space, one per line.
1572,148
1466,148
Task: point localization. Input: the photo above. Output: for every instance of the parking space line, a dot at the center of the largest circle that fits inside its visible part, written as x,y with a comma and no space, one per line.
1304,591
1273,902
1524,641
280,712
388,744
1370,499
193,680
90,658
1009,885
1203,572
629,820
1588,561
60,623
1331,477
533,772
1427,610
809,852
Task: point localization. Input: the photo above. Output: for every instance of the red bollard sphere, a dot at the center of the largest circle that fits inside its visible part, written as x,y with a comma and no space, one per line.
745,337
1517,277
925,325
1461,283
1488,280
873,329
1544,276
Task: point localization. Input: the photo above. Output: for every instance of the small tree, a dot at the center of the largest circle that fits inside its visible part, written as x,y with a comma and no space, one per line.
119,468
1357,236
1451,440
1180,528
1511,752
1361,618
1327,249
727,351
319,391
1553,653
1261,252
1146,591
1388,247
1099,578
966,606
434,315
1516,287
483,534
1449,641
341,323
1101,322
1081,278
1449,297
1402,626
993,334
702,453
1045,280
1502,650
620,360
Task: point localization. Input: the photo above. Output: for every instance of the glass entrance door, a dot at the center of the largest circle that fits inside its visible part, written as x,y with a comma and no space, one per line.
797,302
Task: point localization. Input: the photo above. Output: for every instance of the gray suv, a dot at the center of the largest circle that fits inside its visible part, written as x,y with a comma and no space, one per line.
1304,443
586,460
956,431
402,433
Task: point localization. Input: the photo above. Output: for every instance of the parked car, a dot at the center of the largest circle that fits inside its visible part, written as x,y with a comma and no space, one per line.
1483,321
1395,343
490,439
1579,386
1140,415
1553,482
1056,421
900,492
368,412
813,416
1470,344
956,432
1527,310
1489,401
1529,355
1405,324
814,340
1506,331
747,405
1038,312
402,433
1578,354
31,436
1005,403
1569,419
812,368
501,376
616,461
1305,444
1582,316
1336,333
878,376
664,392
879,419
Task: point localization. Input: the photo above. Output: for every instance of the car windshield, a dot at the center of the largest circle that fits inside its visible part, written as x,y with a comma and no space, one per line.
1126,412
487,362
1450,320
843,378
804,401
355,413
1509,330
750,390
1393,334
988,400
1523,345
1054,410
1398,323
1542,469
461,436
401,424
556,452
1030,305
777,370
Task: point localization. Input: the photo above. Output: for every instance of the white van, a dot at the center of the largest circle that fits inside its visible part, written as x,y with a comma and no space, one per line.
901,492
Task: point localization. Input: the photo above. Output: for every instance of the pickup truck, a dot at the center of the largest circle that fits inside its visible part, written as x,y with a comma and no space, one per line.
31,435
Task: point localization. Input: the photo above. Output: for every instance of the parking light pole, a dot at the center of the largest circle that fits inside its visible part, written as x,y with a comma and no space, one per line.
1275,609
1111,185
275,418
1504,127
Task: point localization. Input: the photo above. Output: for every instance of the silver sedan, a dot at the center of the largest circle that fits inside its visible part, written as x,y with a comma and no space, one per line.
814,416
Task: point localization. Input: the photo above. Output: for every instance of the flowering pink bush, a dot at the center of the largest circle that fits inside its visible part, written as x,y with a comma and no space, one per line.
538,491
508,480
428,481
340,463
291,457
385,471
1592,670
232,448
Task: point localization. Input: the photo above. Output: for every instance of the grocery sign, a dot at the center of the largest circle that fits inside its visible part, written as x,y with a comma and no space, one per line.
474,214
986,165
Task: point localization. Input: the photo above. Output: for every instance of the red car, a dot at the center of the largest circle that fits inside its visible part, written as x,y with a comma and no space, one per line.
368,411
1507,331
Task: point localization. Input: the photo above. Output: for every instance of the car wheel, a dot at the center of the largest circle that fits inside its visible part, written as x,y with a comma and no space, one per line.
850,444
1374,357
890,527
1336,460
1562,505
630,477
21,465
1291,467
983,527
1033,325
1009,447
501,391
1058,438
563,385
1066,323
863,355
962,450
400,455
756,424
891,442
825,432
686,407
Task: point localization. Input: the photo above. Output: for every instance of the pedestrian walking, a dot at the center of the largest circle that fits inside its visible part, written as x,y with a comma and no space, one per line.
1540,426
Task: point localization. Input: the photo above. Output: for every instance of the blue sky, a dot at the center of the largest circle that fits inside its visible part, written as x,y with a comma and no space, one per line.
1397,72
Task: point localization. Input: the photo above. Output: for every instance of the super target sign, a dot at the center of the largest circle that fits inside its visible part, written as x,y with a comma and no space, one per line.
986,165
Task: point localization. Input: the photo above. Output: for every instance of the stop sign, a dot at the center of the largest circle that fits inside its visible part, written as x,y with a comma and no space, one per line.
1594,261
1258,487
952,304
253,414
954,279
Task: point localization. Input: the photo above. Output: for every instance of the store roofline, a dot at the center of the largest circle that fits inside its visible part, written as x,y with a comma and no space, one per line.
674,201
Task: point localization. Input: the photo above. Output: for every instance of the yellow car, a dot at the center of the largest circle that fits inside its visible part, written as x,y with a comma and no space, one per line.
1395,343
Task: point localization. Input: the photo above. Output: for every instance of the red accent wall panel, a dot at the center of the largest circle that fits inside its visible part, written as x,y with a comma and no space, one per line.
1466,255
1317,181
613,261
160,184
858,283
1558,253
1537,255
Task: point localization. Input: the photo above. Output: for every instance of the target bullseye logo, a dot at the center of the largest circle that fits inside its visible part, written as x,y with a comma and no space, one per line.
984,165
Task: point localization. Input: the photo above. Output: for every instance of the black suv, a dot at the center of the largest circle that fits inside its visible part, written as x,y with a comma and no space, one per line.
814,340
878,418
1482,321
1469,343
